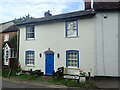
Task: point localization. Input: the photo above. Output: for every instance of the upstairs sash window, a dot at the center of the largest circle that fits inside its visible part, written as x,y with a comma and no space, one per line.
71,28
30,32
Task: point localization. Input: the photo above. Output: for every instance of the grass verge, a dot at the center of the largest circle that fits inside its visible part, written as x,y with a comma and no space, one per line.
68,83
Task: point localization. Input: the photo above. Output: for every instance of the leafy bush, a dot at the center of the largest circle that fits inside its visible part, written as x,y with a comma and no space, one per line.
11,72
5,72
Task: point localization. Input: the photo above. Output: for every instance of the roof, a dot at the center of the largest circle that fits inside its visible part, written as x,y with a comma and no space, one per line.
60,17
103,6
12,28
9,44
6,22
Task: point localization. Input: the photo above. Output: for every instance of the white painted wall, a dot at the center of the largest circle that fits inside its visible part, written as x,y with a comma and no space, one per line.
107,44
52,36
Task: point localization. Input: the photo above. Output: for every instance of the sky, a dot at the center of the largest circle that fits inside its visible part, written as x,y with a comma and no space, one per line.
11,9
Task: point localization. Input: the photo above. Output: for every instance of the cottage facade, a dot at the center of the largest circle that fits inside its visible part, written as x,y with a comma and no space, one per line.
84,40
55,37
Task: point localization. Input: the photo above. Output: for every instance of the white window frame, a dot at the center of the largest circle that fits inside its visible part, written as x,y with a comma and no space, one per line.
73,31
6,37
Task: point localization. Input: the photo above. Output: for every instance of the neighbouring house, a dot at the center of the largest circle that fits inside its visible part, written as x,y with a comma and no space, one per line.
9,42
3,26
83,40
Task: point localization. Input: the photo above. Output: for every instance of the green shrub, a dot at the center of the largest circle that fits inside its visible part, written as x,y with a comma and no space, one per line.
5,72
13,72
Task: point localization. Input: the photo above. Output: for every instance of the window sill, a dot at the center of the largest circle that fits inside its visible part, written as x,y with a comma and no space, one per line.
30,65
30,39
5,40
73,37
72,67
12,57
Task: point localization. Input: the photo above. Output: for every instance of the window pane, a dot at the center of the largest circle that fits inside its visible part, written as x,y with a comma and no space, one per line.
72,28
30,57
72,59
32,35
31,29
30,32
6,37
28,35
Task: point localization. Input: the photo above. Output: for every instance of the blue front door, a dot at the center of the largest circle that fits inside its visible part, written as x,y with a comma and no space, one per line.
49,64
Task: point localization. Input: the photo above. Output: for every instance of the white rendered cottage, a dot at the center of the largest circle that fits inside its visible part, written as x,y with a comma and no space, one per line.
83,40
